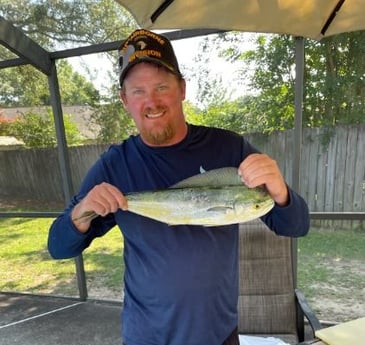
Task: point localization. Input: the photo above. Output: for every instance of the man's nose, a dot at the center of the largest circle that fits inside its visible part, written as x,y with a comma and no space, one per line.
151,97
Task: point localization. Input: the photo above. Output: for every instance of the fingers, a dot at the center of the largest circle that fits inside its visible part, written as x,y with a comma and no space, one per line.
101,200
260,169
104,199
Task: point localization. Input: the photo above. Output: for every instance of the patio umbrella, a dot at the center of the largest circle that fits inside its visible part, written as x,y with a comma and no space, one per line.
306,18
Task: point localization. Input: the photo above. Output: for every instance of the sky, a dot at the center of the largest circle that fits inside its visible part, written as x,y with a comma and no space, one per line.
96,67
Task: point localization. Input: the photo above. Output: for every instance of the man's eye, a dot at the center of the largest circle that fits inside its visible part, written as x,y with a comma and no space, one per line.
162,88
137,92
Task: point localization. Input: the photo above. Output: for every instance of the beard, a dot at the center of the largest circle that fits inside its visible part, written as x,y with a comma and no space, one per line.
158,136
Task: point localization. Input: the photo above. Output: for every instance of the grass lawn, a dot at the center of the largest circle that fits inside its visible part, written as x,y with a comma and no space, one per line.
331,272
331,267
26,266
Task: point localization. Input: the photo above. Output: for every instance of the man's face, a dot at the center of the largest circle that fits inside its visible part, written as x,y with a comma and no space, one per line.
153,97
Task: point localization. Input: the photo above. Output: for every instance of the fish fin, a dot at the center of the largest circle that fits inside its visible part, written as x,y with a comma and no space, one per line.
212,178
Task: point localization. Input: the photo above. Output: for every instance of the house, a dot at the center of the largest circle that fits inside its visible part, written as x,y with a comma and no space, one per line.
10,143
80,115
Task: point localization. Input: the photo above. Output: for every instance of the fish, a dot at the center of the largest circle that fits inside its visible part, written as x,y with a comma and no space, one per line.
213,198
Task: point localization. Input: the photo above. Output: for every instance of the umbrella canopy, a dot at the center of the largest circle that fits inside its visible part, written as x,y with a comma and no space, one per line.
307,18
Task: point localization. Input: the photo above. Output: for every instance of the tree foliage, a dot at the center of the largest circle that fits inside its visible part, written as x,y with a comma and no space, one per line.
334,72
37,130
114,122
61,24
334,79
210,88
231,114
25,86
52,23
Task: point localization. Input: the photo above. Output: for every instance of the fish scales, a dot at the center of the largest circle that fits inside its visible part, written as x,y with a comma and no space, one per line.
209,206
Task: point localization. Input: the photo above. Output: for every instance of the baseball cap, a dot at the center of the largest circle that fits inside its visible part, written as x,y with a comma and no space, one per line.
143,45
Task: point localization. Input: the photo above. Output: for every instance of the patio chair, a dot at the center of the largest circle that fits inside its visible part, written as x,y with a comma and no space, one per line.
269,305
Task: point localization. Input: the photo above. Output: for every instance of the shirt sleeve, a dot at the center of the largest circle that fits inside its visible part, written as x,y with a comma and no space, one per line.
64,239
291,220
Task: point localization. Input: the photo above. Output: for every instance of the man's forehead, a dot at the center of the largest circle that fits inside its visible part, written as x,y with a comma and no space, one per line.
149,65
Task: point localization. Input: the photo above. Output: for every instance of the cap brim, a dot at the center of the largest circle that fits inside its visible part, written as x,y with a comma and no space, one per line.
144,59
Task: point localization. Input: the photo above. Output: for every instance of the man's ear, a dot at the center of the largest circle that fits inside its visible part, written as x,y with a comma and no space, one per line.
183,89
123,98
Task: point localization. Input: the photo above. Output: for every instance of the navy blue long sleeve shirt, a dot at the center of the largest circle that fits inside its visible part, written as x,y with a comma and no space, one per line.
181,282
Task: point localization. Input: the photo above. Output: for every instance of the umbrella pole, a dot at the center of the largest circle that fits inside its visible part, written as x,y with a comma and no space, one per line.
298,122
298,133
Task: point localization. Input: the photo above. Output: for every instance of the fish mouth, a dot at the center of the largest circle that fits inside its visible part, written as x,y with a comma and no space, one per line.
267,206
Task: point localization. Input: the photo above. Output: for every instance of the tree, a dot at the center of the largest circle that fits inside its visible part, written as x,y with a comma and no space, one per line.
37,130
59,24
114,122
335,83
210,88
334,79
232,114
25,86
54,23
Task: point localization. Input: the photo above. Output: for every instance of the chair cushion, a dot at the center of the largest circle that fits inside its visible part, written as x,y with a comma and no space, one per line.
270,314
266,303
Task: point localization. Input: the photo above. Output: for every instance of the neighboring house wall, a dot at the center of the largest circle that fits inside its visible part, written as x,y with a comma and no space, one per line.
10,143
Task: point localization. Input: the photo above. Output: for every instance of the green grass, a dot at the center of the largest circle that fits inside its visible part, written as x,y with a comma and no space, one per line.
339,244
330,257
26,265
331,266
331,272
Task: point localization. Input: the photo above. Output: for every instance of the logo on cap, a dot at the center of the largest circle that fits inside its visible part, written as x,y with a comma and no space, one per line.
141,45
146,45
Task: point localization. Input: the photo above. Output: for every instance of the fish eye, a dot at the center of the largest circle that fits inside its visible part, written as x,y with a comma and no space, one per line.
257,206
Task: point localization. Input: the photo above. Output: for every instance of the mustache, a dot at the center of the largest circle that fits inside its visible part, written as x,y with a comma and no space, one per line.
154,110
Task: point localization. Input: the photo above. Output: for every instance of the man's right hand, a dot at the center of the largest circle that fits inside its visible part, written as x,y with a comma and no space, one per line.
101,200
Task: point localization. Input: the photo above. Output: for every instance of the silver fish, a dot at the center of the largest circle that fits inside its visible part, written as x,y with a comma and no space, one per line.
213,198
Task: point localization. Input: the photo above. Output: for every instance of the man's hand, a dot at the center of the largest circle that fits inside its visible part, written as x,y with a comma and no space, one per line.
101,200
259,169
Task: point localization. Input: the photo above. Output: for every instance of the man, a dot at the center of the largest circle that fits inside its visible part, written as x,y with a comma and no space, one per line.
181,282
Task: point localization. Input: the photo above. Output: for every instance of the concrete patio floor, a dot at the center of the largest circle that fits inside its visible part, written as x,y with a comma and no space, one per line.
27,319
47,320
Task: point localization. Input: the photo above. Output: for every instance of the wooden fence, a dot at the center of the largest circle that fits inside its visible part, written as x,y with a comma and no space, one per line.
332,168
332,175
